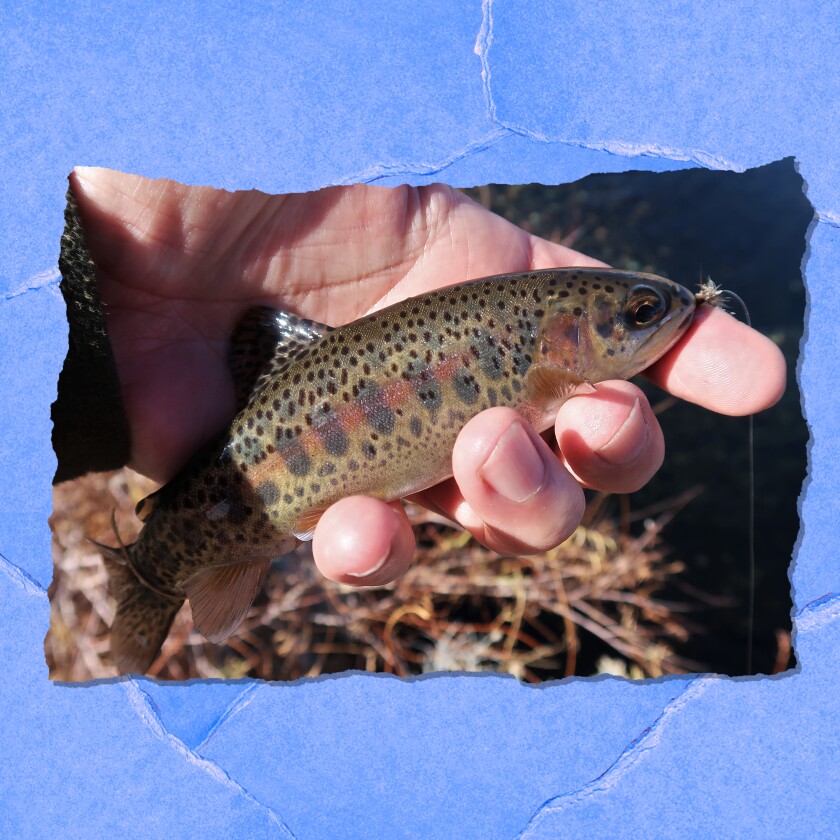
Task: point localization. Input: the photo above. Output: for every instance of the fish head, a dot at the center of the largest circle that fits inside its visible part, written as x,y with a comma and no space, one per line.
613,324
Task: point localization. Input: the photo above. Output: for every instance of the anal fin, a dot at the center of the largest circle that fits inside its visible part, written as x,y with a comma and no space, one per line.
221,597
304,528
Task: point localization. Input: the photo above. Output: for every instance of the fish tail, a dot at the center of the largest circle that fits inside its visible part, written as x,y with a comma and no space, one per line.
143,617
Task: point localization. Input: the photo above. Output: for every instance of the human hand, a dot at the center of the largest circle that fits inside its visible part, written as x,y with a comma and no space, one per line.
178,265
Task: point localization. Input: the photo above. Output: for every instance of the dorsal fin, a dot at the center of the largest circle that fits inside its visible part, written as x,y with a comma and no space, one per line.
263,343
221,597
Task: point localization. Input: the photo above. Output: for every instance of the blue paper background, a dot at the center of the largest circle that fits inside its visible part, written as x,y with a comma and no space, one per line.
283,98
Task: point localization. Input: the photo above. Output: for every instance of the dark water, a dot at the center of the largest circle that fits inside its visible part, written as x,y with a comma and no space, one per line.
747,231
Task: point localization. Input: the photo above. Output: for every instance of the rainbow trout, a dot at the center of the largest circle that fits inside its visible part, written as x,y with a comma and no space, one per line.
374,408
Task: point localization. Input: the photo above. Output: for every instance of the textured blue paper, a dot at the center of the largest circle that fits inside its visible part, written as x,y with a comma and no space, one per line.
296,97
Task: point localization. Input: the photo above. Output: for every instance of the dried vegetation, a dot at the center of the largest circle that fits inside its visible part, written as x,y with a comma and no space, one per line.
459,607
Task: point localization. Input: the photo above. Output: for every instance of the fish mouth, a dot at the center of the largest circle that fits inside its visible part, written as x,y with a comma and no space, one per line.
687,318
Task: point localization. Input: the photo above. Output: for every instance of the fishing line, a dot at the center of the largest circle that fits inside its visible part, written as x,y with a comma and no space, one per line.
714,296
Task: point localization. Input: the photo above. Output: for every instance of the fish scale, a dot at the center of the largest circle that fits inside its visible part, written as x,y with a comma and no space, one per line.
374,408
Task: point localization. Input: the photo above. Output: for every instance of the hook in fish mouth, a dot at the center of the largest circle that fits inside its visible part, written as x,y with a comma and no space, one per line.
713,295
709,292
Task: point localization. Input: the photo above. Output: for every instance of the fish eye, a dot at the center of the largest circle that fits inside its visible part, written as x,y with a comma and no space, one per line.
644,306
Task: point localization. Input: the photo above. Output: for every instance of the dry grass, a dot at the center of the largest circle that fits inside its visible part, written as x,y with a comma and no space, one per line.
459,607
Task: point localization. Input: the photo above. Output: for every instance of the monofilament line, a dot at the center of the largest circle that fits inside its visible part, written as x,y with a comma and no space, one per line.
713,295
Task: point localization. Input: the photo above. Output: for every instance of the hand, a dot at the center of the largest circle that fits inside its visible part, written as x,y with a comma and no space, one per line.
178,265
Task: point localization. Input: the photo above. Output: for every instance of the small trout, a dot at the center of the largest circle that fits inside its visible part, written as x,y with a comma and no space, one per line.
373,408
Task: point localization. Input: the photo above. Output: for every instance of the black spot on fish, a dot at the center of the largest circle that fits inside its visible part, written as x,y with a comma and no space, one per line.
326,469
381,418
334,438
296,459
604,329
415,426
268,493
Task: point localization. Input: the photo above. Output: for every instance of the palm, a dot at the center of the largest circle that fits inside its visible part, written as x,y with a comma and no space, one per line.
178,265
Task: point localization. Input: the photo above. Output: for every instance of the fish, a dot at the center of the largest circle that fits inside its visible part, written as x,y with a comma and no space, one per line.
369,408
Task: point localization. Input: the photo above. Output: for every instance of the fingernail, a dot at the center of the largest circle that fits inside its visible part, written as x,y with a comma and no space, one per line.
375,568
514,469
626,444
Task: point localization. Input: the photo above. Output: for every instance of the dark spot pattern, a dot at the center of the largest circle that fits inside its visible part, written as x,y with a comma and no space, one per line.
430,396
466,387
268,493
604,329
334,439
381,418
296,459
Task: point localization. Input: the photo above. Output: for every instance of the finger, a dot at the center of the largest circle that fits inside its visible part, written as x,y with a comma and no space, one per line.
611,439
510,491
362,541
545,254
724,365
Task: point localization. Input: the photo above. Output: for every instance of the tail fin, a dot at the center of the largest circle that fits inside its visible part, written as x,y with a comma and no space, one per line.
143,617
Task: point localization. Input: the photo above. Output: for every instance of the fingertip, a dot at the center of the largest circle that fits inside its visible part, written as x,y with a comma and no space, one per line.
611,439
520,497
724,365
361,541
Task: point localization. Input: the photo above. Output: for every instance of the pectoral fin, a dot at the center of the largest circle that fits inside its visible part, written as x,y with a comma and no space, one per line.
547,387
221,597
549,383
